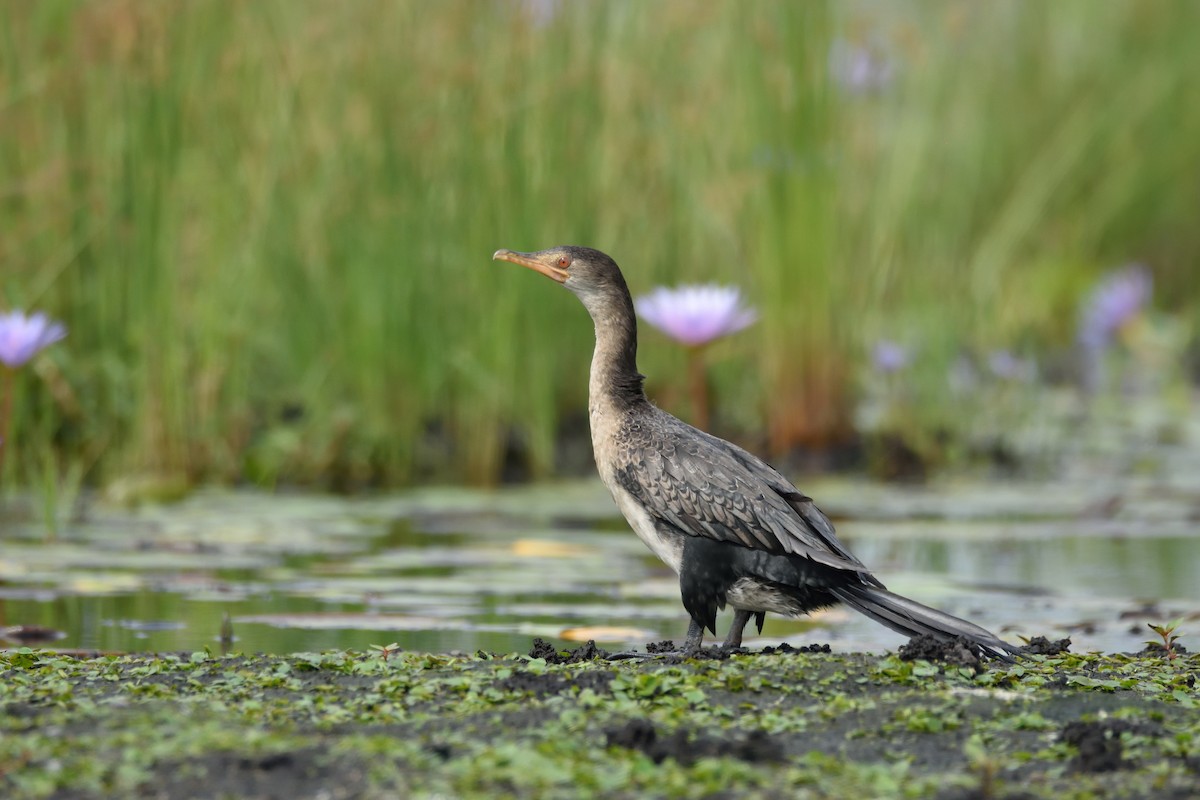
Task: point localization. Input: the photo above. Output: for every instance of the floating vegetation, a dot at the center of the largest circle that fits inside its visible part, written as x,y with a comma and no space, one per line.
462,569
386,721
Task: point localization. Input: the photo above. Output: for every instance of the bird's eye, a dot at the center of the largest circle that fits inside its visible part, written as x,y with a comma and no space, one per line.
564,261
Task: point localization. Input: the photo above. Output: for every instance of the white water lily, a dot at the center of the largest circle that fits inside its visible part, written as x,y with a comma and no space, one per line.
696,315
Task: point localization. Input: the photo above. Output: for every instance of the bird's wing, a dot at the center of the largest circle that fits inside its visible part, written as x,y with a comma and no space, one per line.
704,486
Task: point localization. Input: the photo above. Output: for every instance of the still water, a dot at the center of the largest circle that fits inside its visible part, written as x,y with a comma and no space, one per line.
454,569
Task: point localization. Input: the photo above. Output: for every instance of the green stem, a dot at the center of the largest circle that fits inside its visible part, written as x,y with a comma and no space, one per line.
6,405
698,387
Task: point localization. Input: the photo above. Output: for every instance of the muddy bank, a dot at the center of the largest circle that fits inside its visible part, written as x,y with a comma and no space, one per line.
785,723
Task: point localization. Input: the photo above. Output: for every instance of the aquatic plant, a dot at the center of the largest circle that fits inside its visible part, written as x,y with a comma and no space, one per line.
1115,301
21,338
472,727
696,316
385,651
288,318
1169,638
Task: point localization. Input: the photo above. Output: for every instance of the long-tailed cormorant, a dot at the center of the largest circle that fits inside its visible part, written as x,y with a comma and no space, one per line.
736,531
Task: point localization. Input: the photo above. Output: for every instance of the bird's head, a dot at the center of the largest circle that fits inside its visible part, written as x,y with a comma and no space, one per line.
591,275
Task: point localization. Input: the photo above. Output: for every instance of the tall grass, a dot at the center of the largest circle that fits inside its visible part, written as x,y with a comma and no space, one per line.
268,223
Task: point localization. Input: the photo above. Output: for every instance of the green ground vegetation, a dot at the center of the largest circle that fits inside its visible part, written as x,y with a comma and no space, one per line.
268,225
793,724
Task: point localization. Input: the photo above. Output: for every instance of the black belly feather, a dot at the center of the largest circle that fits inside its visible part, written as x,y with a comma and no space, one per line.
710,568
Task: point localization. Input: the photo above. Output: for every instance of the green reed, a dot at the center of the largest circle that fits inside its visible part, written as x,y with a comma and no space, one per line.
268,225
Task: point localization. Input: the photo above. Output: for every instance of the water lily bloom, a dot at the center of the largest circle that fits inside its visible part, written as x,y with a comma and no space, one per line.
1116,300
696,315
888,356
22,337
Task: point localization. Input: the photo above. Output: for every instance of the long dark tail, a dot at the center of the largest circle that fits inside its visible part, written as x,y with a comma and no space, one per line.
912,618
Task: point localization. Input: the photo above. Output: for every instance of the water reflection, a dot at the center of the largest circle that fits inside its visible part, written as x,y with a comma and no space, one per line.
460,570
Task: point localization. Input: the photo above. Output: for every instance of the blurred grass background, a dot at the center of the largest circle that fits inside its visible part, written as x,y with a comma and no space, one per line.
268,224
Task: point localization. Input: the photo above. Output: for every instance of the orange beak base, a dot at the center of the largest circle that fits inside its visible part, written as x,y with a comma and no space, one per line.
534,261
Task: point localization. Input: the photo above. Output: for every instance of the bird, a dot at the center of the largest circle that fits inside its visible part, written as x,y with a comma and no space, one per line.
735,530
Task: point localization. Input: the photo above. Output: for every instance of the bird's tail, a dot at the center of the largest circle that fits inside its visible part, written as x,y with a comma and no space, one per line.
912,618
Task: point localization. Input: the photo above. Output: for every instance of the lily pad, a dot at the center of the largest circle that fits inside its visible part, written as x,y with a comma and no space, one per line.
605,633
448,567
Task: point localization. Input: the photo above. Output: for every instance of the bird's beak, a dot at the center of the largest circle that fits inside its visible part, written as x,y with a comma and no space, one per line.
535,262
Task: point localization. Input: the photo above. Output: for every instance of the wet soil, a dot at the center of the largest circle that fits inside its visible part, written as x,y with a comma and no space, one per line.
278,776
957,652
792,722
686,747
1099,744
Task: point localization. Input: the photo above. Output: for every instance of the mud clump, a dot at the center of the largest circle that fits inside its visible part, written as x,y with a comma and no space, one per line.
714,653
543,649
640,734
1099,743
674,655
957,652
636,734
667,647
1041,646
786,649
268,763
440,749
586,652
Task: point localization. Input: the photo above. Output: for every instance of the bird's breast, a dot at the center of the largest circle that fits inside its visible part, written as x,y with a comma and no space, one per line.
667,545
613,449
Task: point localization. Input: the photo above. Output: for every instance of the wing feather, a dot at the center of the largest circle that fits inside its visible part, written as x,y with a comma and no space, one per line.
704,486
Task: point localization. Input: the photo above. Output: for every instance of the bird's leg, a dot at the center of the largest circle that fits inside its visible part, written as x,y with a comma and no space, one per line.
695,635
740,617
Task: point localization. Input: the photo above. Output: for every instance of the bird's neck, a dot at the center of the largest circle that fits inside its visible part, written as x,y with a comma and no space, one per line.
615,381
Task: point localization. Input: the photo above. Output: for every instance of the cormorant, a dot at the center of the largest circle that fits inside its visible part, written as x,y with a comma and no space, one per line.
736,531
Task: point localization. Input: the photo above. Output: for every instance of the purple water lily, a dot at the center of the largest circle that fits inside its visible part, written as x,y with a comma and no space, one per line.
1116,300
888,356
22,337
696,315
